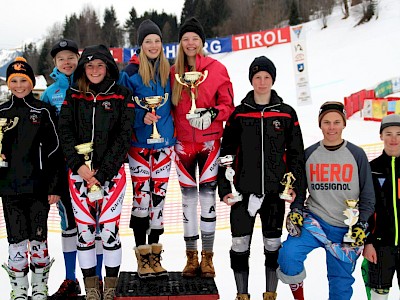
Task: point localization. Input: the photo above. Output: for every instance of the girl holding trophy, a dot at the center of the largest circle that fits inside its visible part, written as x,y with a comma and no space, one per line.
262,141
65,54
151,152
96,127
202,95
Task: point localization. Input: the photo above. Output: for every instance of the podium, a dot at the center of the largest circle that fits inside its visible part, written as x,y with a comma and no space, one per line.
173,287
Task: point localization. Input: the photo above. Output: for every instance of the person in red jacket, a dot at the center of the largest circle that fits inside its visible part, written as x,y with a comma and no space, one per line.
198,141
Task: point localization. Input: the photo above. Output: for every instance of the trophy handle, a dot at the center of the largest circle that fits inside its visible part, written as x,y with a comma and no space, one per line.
203,77
165,99
13,123
179,79
139,102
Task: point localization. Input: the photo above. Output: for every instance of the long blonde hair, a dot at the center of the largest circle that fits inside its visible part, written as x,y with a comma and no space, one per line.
180,63
148,71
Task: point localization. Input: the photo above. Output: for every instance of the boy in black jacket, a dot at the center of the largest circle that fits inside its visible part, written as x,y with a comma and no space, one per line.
382,246
30,181
264,134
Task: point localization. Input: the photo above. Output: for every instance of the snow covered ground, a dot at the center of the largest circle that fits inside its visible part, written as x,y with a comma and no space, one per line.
342,59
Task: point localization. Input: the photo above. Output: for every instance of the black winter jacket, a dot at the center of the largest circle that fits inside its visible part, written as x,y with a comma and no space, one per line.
32,149
267,144
106,119
384,223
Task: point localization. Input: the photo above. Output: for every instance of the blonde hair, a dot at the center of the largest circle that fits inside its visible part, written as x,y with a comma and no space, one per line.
180,62
148,71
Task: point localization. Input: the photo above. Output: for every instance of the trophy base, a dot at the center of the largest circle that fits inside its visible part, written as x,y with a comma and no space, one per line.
155,140
96,195
235,199
3,164
285,197
348,239
192,116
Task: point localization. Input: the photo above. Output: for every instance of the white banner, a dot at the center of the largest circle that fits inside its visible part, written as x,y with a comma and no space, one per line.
297,36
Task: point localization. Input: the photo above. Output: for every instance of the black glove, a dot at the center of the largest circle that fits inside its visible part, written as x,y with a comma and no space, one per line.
294,222
359,234
207,115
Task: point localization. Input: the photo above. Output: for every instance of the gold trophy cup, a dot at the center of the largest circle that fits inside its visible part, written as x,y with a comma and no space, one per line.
95,191
226,161
352,213
287,181
192,80
5,125
151,103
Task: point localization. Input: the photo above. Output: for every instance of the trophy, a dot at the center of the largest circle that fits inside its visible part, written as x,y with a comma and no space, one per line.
226,161
351,212
192,80
95,191
152,103
4,126
287,181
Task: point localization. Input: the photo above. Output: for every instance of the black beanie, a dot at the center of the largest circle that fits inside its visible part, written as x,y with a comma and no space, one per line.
262,63
62,45
145,28
20,68
97,52
192,25
332,106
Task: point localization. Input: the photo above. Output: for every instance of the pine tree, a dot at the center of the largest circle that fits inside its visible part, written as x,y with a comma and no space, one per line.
188,10
89,27
294,14
45,64
110,31
131,27
71,29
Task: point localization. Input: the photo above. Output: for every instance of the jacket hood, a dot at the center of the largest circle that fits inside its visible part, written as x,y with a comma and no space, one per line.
202,62
101,52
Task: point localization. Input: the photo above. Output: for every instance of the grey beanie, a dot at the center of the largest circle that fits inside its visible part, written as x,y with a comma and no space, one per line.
145,28
390,120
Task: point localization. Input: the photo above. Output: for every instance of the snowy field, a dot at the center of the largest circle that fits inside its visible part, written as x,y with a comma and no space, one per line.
342,59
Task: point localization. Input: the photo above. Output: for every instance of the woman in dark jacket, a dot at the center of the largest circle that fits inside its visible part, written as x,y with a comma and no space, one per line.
95,127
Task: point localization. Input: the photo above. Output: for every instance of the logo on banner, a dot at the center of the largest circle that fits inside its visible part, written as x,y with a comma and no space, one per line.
300,67
297,30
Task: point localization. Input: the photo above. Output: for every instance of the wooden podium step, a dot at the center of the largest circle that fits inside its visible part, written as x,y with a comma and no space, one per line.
173,287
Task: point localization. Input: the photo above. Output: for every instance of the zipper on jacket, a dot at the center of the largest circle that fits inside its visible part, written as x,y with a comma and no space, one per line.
93,116
394,182
262,151
40,157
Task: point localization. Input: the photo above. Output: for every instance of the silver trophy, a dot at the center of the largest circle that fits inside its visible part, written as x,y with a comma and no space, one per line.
5,125
226,161
192,80
352,213
287,181
95,191
151,103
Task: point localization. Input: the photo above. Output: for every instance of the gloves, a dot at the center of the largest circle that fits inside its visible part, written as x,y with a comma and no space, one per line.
294,222
207,115
359,233
254,205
